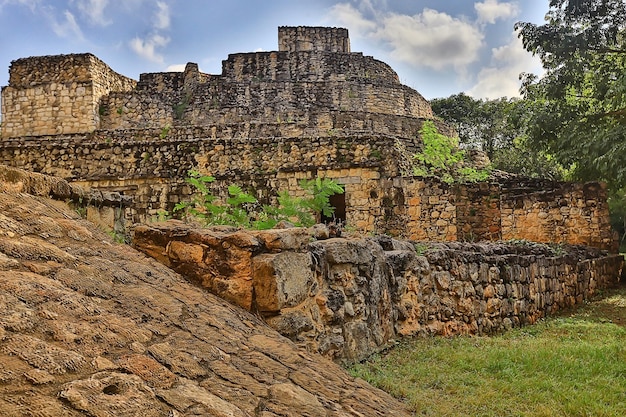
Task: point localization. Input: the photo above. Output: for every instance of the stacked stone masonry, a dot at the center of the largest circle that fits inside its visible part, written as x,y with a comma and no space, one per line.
311,109
378,199
349,298
57,94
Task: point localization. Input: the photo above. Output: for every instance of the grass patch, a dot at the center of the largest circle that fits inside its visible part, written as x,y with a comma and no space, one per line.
570,365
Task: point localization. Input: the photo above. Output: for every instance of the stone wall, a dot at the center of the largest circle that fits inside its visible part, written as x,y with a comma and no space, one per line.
311,79
268,87
153,170
298,38
151,166
535,210
57,94
557,212
348,298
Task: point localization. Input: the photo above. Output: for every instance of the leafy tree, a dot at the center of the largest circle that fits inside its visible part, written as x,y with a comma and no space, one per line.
498,128
579,103
482,124
617,206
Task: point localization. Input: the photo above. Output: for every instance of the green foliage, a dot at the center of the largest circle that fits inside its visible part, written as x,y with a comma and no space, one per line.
421,248
579,103
119,237
201,205
320,191
239,209
498,128
617,208
521,158
289,209
482,124
578,106
164,131
441,157
163,215
180,107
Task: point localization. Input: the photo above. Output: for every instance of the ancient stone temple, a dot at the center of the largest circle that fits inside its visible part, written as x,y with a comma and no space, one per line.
311,109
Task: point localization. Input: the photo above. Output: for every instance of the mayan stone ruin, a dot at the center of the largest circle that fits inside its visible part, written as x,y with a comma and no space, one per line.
311,109
232,322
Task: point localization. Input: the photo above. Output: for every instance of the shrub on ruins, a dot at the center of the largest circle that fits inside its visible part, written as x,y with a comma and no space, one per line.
441,157
303,211
243,210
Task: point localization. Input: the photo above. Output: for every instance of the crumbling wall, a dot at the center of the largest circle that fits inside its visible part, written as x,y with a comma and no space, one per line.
105,209
267,87
151,166
152,169
478,211
57,94
348,298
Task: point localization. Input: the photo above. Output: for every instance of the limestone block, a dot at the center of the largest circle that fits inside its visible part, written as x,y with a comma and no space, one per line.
275,240
281,280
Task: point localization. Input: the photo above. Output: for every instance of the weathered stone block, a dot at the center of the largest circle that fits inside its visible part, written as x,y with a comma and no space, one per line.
281,280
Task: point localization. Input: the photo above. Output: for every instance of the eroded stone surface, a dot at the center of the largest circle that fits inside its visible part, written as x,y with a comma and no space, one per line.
349,298
89,327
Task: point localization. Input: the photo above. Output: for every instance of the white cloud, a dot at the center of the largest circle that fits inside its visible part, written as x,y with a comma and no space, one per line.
348,16
428,39
31,4
431,39
501,78
491,10
94,11
176,68
67,28
147,48
162,16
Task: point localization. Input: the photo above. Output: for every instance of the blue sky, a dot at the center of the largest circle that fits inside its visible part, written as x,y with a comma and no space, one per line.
438,47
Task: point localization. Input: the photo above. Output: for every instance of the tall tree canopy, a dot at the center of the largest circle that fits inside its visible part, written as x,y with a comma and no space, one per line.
481,124
579,103
498,128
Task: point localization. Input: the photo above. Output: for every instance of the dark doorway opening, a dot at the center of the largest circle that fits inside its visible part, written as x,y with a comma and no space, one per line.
338,201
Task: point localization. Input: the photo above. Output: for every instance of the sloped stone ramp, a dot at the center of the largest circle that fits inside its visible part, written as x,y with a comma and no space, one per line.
90,327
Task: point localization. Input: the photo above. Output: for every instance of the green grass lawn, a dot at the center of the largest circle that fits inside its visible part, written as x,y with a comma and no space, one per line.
573,364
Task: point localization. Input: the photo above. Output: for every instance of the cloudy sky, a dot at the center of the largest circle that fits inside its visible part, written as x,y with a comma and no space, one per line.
438,47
